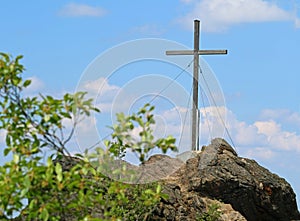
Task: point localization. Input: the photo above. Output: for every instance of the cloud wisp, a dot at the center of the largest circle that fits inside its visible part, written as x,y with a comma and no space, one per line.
220,15
263,136
81,10
283,116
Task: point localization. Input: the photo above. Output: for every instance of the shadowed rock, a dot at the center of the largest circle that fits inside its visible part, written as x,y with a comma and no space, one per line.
218,173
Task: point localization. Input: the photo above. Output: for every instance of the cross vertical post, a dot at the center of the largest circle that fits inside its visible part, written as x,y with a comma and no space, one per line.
196,52
195,119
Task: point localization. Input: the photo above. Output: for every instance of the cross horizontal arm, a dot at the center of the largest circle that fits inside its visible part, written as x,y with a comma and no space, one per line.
200,52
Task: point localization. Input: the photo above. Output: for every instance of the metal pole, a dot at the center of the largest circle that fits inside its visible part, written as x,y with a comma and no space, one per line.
195,134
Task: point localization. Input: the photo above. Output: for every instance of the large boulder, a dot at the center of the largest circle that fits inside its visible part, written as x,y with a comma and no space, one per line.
218,173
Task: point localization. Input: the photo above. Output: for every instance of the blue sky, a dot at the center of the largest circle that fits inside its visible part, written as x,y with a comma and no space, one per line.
259,77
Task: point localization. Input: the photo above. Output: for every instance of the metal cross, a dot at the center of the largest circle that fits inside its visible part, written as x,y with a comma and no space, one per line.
196,52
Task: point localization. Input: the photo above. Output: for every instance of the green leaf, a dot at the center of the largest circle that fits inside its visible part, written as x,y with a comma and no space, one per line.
19,57
149,191
49,162
26,83
66,115
7,139
151,108
5,56
140,121
16,158
23,192
6,151
158,188
45,214
84,171
16,81
58,171
107,143
32,204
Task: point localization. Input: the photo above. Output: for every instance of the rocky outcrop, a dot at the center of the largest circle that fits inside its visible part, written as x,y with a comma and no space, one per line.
184,205
218,173
238,188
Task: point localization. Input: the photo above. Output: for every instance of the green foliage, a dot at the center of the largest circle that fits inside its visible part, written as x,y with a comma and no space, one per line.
80,190
34,122
145,142
213,213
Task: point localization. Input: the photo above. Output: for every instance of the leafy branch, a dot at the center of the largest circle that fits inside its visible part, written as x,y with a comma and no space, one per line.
124,138
67,186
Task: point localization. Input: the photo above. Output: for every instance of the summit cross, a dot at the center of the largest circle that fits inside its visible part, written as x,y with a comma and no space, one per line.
196,52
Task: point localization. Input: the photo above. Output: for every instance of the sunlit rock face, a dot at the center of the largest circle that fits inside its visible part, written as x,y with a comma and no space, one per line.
217,173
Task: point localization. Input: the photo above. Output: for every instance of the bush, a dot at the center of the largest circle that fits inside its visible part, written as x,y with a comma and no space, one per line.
53,190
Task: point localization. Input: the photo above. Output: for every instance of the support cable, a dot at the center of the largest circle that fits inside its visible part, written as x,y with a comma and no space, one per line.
205,112
226,129
157,95
185,117
173,80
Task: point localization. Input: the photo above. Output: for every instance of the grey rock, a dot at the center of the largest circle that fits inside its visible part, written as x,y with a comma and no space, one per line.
253,191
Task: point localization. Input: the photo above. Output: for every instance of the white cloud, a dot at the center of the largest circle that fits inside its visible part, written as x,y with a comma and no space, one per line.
100,87
247,135
219,15
261,139
79,10
283,116
260,153
267,134
278,138
268,128
102,92
174,114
